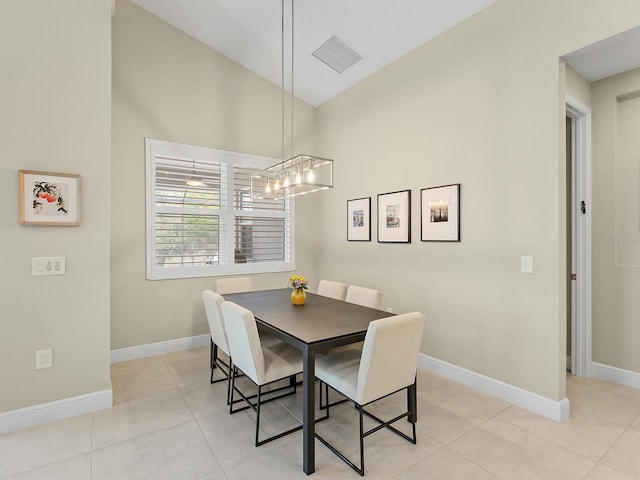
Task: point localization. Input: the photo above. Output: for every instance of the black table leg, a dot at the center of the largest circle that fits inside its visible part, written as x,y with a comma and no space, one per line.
308,411
412,403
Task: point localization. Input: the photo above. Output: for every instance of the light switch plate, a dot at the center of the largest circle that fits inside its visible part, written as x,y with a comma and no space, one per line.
526,264
48,266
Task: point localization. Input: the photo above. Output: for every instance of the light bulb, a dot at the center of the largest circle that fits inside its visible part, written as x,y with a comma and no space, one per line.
298,177
276,185
268,187
286,182
310,176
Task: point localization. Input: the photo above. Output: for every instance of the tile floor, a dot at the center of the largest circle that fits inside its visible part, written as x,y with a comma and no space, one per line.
168,422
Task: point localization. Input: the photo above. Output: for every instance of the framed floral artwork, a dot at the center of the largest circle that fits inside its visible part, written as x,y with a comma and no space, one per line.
49,198
394,217
440,213
359,220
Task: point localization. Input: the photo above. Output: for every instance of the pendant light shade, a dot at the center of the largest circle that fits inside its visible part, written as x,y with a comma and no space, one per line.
299,175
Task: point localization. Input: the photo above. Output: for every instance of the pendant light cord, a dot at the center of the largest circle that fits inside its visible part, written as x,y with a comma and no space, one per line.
282,74
292,76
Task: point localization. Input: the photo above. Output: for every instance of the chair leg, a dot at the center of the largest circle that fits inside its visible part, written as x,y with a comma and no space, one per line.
409,414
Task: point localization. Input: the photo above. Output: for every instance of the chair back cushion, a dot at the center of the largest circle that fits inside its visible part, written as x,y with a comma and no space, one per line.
234,285
328,288
212,302
389,356
367,297
244,341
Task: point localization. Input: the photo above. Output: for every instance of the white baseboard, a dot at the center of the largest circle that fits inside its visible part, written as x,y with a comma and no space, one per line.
56,410
159,348
616,375
552,409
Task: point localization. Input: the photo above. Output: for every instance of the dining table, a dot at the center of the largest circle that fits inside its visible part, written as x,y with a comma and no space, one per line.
320,324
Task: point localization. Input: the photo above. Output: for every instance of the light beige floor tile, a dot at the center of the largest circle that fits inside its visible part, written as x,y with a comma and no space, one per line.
35,447
138,383
425,377
511,452
231,437
201,354
139,417
179,452
191,372
461,400
444,465
76,468
443,426
624,456
601,472
583,433
613,402
129,366
205,399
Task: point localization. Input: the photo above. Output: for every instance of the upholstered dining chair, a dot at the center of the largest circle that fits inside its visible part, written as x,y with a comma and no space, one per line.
367,297
261,364
329,288
234,285
212,302
386,365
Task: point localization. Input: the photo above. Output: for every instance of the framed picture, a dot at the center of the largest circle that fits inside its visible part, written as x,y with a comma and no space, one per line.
394,217
440,213
49,198
359,220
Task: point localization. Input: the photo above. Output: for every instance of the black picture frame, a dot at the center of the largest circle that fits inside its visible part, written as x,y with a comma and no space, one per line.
394,217
359,220
440,213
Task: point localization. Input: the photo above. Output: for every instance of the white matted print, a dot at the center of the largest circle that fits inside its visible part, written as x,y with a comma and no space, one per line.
359,220
440,213
49,198
394,217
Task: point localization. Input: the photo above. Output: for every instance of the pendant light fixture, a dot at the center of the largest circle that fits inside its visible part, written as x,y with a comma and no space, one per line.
300,174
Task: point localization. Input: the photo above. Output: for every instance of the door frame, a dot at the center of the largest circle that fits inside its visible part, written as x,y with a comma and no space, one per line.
580,295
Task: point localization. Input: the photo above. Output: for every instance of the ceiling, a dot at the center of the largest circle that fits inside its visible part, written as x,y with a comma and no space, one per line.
250,33
608,57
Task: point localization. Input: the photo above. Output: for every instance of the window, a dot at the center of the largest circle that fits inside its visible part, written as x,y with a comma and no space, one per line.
201,219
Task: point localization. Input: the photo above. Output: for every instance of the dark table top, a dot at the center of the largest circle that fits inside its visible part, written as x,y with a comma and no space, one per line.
319,319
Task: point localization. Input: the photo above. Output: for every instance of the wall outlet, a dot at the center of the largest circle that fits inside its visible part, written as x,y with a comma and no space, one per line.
48,266
44,359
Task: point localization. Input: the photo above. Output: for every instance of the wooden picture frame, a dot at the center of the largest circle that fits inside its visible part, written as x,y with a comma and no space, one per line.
440,213
49,198
359,220
394,217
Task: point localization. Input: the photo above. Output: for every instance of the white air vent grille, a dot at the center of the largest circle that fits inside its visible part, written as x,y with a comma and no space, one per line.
337,54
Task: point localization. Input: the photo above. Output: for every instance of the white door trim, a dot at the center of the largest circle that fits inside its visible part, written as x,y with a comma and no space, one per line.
581,321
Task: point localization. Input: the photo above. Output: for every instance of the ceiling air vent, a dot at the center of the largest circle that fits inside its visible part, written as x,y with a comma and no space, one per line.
337,54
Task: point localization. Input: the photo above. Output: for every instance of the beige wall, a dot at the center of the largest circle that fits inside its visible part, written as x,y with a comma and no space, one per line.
55,92
616,214
168,86
479,105
577,86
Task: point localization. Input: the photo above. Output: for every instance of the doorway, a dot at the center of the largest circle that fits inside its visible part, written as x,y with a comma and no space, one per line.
578,237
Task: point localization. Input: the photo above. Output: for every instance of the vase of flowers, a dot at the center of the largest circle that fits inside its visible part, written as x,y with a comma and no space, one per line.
299,285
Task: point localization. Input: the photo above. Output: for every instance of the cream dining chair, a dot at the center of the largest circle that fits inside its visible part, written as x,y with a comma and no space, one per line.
367,297
386,365
329,288
212,302
261,364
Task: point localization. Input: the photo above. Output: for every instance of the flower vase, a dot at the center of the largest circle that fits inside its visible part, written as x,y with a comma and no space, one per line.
298,296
